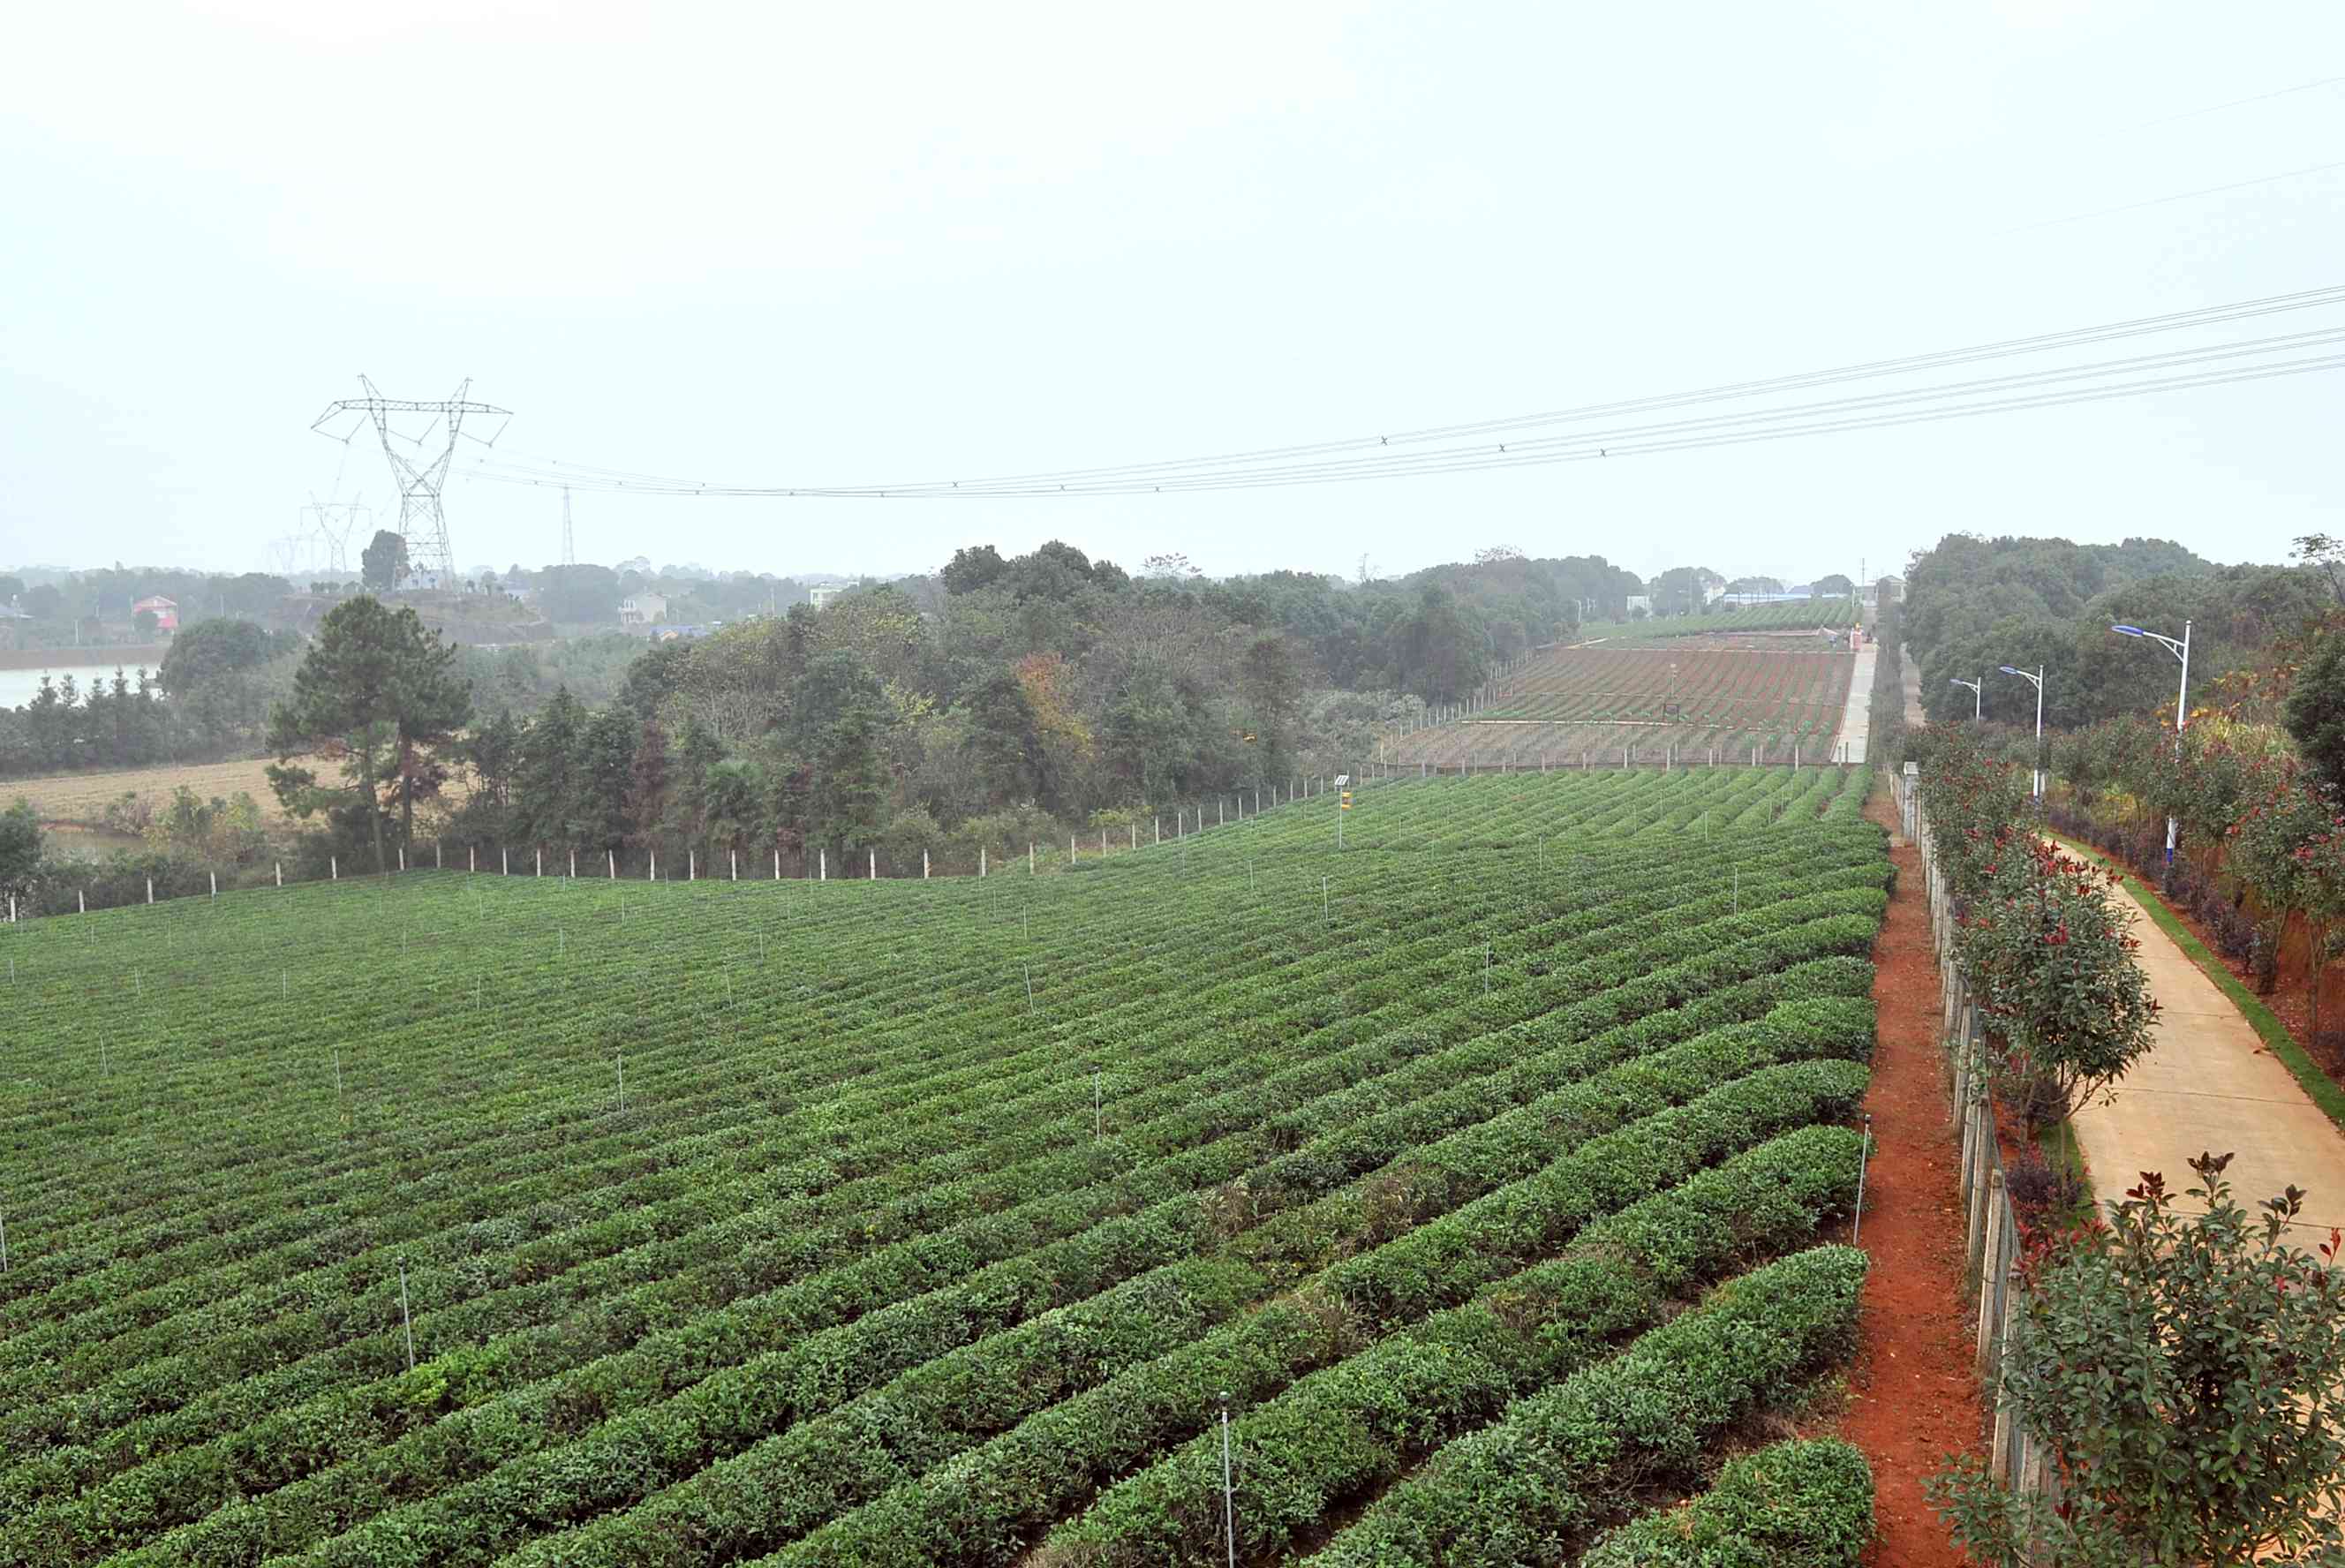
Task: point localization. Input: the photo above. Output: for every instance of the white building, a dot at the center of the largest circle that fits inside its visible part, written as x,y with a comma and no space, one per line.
825,594
643,609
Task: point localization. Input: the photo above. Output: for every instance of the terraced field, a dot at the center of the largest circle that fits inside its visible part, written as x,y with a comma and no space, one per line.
1575,707
908,1222
1805,615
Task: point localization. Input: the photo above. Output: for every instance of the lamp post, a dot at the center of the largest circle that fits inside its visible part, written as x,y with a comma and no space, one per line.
2181,699
1979,696
2035,676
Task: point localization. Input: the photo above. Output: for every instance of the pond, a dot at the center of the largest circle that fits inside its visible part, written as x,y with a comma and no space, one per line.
18,687
87,843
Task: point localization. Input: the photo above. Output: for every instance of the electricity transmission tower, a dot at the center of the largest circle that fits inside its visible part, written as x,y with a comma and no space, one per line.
569,540
421,521
332,520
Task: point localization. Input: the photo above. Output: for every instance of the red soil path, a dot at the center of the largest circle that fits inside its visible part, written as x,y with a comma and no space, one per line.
1912,1397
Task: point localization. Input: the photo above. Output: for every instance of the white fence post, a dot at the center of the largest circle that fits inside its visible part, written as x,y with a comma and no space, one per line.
822,865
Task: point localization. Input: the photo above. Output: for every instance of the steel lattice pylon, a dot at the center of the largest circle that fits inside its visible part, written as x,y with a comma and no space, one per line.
422,521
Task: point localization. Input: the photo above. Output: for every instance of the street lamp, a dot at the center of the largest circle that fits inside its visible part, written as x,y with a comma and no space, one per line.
1978,697
2037,676
2181,699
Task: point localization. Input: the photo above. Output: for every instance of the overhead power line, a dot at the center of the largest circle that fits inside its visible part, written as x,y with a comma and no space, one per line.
1473,446
2178,195
2238,103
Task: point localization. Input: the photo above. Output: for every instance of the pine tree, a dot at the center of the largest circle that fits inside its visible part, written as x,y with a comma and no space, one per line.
648,786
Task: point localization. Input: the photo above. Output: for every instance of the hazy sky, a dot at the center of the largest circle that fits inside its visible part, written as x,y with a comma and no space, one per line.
839,244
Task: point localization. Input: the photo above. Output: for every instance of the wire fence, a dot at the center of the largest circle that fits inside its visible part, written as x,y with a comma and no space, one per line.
1992,1238
1051,847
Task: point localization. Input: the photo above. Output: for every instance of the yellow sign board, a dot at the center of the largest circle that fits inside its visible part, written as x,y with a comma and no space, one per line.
1348,801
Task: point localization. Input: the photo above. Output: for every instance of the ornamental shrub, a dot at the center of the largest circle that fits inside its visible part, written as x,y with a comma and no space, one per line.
2049,948
2187,1372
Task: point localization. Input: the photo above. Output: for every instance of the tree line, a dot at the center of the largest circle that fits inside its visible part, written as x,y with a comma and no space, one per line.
994,702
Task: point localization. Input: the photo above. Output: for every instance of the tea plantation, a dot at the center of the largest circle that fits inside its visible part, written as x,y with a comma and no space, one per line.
1488,1169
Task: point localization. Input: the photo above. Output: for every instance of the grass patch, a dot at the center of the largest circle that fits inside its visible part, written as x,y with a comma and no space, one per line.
2057,1145
2317,1083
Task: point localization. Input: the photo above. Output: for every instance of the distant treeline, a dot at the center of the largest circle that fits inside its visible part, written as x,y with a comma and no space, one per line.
1974,604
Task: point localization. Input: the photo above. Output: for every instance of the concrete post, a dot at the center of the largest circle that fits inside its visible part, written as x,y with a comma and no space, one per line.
1992,1265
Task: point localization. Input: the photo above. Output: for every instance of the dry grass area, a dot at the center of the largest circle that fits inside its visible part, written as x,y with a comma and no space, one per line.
82,797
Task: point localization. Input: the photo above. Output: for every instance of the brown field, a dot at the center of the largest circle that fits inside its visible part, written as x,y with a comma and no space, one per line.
82,797
1578,706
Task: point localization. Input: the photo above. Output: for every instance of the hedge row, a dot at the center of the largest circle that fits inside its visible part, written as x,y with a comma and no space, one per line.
1353,1428
351,1424
986,1507
793,1482
1563,1462
759,1393
191,1309
1806,1504
89,1415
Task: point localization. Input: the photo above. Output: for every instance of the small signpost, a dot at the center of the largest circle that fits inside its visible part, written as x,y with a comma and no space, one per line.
1343,804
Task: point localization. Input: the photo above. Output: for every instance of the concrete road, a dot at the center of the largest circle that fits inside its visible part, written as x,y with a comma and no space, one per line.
2208,1084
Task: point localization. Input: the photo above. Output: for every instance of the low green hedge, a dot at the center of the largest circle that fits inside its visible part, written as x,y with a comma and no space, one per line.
1802,1504
1563,1462
1341,1433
